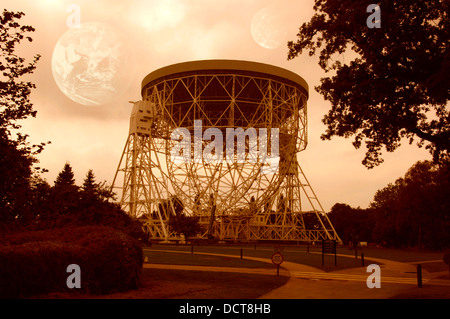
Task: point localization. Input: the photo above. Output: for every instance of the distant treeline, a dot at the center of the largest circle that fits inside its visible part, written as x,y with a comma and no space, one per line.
414,211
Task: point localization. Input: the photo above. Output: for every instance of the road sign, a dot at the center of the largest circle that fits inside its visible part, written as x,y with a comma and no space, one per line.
329,247
277,259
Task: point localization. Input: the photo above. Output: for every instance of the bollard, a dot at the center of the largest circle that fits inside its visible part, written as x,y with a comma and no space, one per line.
241,253
362,259
419,275
323,259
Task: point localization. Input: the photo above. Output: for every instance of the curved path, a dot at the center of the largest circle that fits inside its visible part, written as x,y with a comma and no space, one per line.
308,282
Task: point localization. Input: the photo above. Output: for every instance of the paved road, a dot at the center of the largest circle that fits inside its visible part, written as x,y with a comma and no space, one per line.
308,282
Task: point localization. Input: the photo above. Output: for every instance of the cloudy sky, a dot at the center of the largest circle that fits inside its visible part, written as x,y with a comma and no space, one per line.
156,33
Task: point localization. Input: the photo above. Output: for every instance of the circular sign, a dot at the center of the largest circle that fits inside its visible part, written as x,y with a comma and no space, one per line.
447,259
277,258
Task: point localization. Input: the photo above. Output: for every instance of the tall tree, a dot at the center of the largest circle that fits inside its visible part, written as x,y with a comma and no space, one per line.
14,94
16,155
65,194
414,211
89,188
172,206
40,199
351,222
15,172
189,226
397,84
66,177
93,191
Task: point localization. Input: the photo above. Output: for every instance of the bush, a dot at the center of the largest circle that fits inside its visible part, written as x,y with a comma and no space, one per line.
35,267
35,262
104,213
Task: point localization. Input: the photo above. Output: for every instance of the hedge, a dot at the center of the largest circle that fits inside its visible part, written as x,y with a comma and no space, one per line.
35,262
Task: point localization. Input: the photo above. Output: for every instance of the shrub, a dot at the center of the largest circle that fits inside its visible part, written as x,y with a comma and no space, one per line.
35,262
104,213
35,267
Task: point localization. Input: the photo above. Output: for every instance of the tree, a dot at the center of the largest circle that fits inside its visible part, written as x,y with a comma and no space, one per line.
414,211
16,155
91,191
15,102
172,206
66,177
40,199
89,184
65,194
173,209
186,225
397,86
15,173
351,222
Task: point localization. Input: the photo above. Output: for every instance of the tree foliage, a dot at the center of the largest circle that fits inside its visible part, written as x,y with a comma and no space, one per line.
351,223
179,222
397,84
15,172
17,157
187,225
66,178
172,206
14,94
413,211
64,196
27,202
15,103
89,185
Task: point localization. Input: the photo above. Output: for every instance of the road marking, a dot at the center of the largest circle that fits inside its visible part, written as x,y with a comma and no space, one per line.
349,277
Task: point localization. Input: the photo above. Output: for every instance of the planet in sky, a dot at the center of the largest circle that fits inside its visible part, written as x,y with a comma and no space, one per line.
89,64
268,28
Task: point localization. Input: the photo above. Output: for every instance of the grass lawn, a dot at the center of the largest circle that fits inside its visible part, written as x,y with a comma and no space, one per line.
297,254
186,258
183,284
402,255
193,284
174,284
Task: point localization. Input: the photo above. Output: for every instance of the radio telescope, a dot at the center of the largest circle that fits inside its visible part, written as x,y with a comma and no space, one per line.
219,140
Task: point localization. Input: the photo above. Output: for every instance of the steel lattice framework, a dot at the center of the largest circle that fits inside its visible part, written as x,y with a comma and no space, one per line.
238,197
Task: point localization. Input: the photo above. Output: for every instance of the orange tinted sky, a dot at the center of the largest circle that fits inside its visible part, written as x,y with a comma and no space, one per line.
163,32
